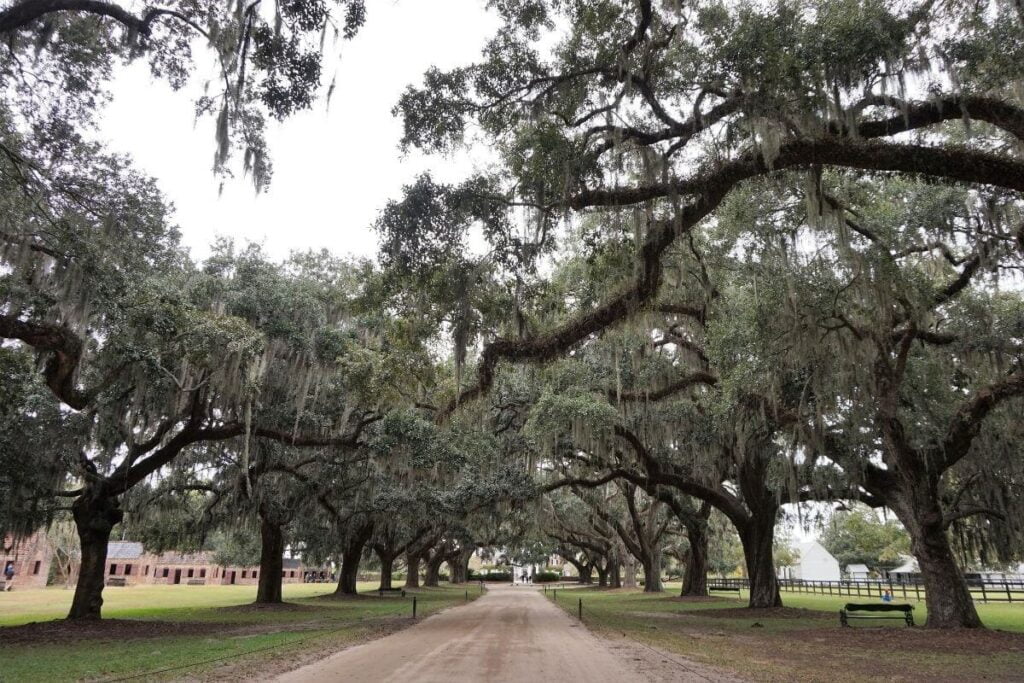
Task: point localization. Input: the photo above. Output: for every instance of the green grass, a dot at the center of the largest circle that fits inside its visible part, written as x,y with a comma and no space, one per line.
807,646
247,637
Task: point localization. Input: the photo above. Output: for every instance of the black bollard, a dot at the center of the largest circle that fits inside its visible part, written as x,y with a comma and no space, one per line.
414,607
581,609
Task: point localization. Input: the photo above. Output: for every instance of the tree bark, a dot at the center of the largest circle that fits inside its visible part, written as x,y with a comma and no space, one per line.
629,575
269,591
652,571
614,572
695,580
602,576
586,572
460,565
95,515
757,537
412,576
916,504
351,554
387,564
433,574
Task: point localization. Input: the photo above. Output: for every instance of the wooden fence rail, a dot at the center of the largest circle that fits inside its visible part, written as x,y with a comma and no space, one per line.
985,591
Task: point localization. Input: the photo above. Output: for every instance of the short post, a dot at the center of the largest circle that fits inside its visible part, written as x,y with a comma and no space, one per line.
414,607
545,589
1006,585
984,596
581,609
554,594
467,596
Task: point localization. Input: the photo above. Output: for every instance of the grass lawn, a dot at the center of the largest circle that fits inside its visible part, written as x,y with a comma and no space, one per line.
183,628
803,641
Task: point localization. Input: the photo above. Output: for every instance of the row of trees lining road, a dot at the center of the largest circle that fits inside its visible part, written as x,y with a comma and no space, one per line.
735,258
786,247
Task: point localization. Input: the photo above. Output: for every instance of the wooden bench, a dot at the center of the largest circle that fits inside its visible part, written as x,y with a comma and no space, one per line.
196,582
906,612
119,581
734,589
391,591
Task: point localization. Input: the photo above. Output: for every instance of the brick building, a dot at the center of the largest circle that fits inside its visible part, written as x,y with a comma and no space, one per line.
127,560
31,558
129,564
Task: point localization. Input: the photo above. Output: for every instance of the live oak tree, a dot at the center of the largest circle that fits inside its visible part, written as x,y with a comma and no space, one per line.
260,59
908,358
181,366
653,116
641,522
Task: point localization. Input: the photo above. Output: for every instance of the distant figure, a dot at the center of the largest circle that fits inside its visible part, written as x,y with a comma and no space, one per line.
9,576
887,596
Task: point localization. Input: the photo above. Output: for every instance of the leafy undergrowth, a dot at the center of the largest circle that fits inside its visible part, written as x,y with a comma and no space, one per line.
804,641
197,631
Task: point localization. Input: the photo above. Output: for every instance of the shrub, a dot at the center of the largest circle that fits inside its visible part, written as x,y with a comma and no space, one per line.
490,576
546,577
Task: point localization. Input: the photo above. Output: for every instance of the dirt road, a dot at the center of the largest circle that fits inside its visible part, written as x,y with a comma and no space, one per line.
510,634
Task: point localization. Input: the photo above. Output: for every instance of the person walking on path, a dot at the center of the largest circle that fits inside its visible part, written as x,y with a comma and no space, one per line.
9,576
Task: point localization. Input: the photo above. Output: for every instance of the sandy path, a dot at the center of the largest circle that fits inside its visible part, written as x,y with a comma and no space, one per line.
510,634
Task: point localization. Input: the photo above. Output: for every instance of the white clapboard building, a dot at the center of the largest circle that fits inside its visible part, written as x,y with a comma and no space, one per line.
815,564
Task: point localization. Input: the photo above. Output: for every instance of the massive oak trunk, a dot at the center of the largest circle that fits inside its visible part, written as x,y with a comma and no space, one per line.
586,572
614,572
433,573
271,563
351,554
758,537
916,503
412,576
459,564
387,564
95,515
629,575
602,576
695,580
652,571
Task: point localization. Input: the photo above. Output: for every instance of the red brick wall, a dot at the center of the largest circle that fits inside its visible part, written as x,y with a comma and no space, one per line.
32,558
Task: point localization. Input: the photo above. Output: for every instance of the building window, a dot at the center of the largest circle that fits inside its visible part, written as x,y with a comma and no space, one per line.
284,574
145,572
113,569
166,570
36,567
202,573
190,570
293,574
127,570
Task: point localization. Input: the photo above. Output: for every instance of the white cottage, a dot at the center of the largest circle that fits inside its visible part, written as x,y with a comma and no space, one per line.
858,572
815,564
908,571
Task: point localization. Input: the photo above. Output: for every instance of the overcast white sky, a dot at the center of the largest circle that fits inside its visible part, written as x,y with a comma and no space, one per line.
333,169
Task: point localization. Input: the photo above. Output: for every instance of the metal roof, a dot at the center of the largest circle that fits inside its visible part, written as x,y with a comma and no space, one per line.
124,550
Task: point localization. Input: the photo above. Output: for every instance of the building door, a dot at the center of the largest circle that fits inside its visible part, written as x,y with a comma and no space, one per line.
177,576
